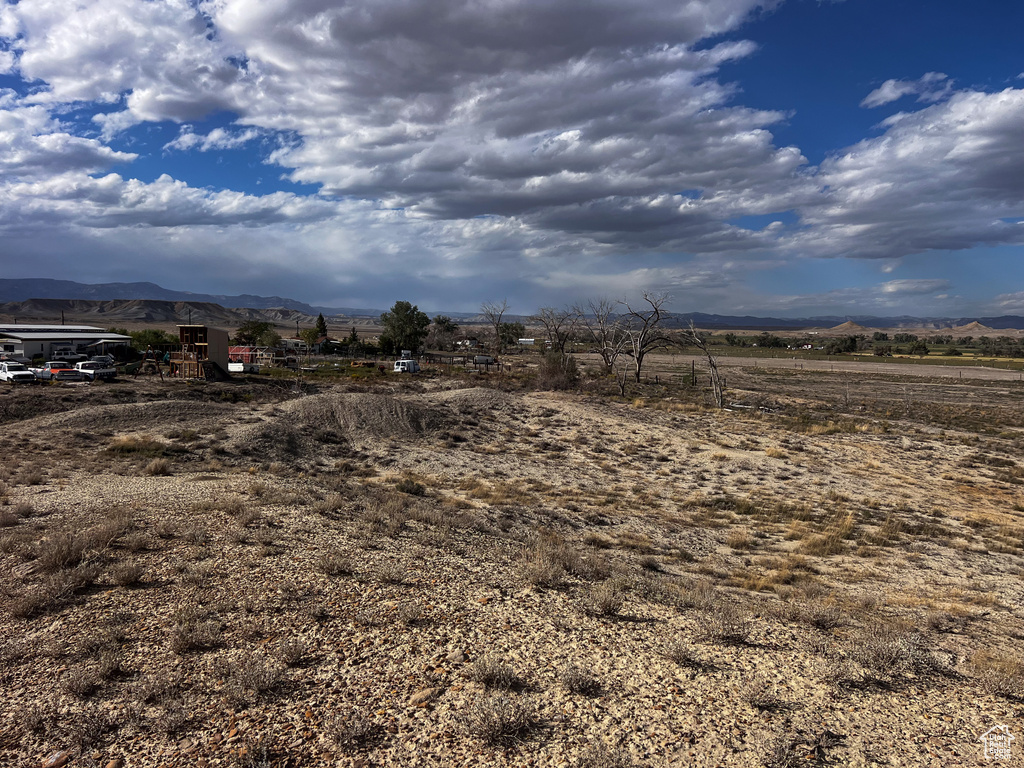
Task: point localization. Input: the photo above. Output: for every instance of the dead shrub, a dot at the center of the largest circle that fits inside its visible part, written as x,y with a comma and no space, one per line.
601,755
81,681
760,694
605,599
192,631
682,653
725,623
492,672
250,678
157,468
335,563
127,574
292,651
498,719
354,731
65,549
999,674
888,651
576,679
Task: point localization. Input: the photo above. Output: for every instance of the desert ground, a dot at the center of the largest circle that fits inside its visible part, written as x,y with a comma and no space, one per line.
457,570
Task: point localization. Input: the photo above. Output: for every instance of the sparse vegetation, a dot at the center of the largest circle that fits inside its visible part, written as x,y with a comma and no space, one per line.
437,554
499,719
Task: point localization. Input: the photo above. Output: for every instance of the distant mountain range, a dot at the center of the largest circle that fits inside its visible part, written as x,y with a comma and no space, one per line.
111,303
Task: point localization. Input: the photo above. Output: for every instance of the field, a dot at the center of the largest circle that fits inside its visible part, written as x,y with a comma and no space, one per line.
464,571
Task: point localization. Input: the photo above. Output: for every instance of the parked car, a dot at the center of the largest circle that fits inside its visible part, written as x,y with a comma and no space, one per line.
67,354
243,368
95,371
16,373
406,366
57,370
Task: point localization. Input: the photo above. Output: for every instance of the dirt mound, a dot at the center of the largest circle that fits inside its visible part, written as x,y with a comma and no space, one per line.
477,399
135,417
361,416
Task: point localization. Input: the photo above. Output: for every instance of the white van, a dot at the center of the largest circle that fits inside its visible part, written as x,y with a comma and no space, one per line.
407,366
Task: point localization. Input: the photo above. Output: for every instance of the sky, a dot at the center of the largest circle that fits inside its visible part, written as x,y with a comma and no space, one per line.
759,157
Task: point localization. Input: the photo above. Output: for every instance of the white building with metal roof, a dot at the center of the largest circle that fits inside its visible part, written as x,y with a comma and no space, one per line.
49,341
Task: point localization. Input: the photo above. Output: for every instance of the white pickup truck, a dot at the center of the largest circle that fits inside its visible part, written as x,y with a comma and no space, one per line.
56,370
94,370
16,373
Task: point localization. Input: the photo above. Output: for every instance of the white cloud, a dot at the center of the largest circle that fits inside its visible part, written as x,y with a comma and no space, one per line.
948,177
914,286
111,201
217,139
933,86
36,146
1010,302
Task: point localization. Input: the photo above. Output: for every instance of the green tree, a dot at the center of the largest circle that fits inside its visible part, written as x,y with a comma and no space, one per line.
405,327
311,336
151,337
841,345
257,333
442,332
509,334
321,325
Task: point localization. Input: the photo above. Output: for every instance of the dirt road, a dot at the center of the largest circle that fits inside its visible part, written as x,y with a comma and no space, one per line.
665,364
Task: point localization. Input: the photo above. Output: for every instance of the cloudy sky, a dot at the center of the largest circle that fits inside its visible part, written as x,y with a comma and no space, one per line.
786,157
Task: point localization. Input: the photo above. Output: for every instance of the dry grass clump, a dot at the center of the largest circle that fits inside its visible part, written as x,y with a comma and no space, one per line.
67,549
605,599
127,574
601,755
725,623
250,678
493,673
760,694
549,559
334,562
157,468
138,445
576,679
354,731
499,719
682,653
192,631
292,651
1000,674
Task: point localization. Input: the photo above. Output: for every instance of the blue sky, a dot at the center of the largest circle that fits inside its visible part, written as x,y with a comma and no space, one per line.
775,158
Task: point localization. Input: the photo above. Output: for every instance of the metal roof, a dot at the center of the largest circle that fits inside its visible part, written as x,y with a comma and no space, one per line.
29,328
63,335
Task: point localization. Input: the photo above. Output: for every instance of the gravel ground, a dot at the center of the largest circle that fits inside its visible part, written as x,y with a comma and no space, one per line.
440,576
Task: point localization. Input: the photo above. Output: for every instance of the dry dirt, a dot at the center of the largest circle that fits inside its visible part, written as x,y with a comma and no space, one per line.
452,572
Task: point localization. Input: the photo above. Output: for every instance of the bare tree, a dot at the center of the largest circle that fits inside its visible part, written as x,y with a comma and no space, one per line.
559,325
493,312
604,329
692,338
643,330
